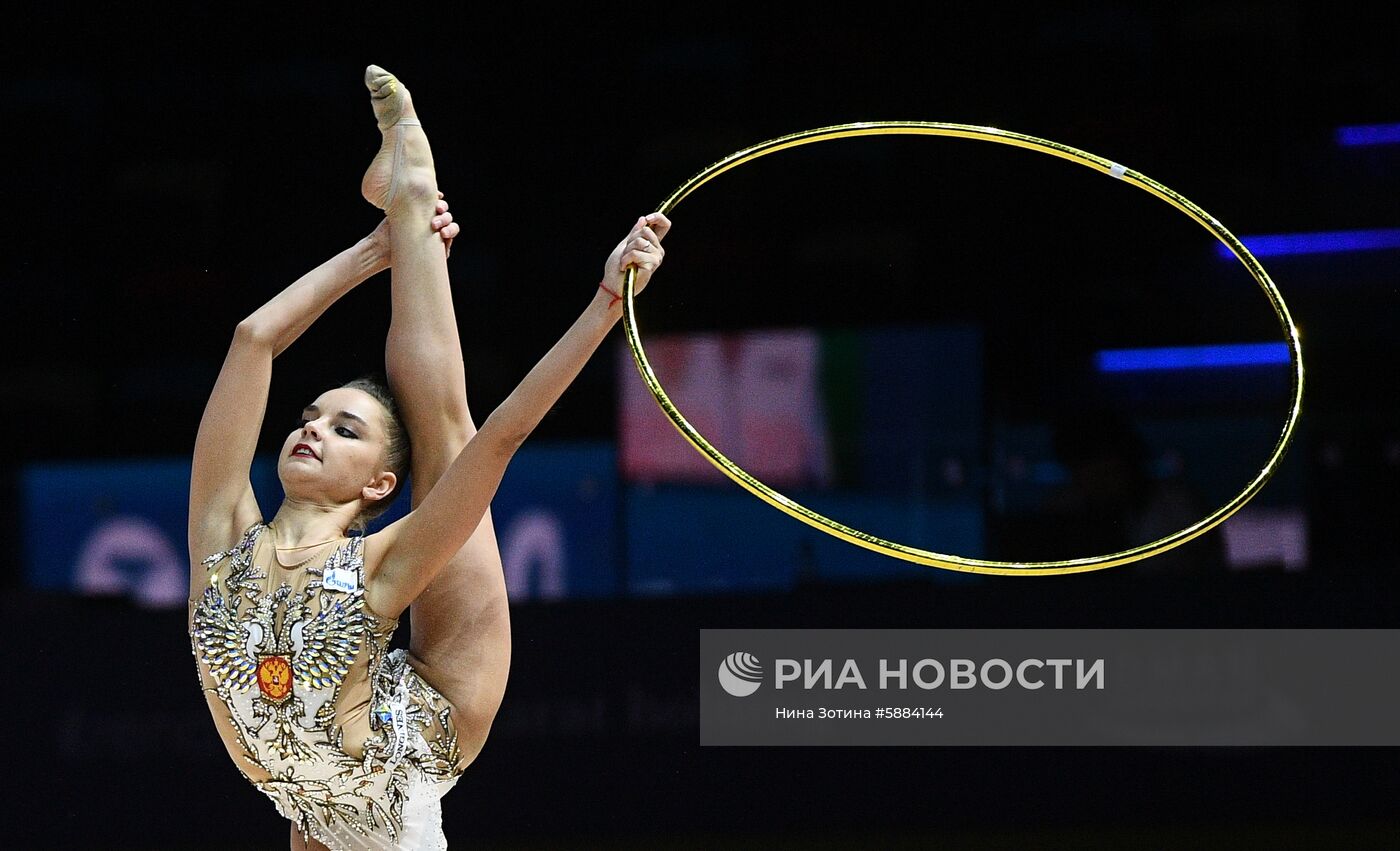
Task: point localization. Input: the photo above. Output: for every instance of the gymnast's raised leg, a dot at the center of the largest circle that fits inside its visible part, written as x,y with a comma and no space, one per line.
460,639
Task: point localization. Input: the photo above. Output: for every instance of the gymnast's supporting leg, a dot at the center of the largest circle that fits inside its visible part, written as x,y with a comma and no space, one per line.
460,640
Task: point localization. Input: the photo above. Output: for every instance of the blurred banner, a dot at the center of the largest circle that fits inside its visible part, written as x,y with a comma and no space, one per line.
879,428
752,395
885,410
119,529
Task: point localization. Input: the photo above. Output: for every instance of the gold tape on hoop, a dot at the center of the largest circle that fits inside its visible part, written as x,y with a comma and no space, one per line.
926,557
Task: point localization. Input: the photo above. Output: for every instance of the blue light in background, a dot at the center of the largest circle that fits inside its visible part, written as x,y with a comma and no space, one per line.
1326,242
1191,357
1361,135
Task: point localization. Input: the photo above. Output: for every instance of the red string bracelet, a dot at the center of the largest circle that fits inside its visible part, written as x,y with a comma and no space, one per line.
615,297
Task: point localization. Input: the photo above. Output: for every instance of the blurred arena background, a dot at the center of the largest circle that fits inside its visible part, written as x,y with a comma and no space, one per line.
951,344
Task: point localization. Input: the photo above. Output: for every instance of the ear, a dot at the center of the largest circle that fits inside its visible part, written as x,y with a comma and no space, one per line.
379,487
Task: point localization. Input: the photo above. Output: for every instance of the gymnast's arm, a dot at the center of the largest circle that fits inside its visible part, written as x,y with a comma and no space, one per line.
221,495
418,546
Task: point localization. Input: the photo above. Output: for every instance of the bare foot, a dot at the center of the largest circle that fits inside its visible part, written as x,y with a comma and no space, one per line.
404,161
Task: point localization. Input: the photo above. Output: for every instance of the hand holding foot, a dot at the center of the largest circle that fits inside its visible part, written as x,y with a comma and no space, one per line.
443,226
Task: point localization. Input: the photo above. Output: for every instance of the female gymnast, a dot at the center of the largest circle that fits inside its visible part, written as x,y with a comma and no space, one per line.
290,620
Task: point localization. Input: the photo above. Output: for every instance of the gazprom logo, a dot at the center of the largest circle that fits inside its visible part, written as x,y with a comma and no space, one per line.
740,674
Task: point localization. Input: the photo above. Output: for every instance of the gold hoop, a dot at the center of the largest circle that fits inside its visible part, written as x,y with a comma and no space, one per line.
941,560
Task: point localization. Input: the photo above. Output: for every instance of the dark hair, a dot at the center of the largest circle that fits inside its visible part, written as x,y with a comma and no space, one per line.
398,454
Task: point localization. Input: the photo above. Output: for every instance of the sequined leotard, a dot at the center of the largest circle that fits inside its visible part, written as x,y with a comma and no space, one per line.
348,741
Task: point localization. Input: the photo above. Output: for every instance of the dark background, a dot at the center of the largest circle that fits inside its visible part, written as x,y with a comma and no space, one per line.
171,169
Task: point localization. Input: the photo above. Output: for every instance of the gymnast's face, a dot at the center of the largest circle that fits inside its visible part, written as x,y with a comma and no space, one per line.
336,453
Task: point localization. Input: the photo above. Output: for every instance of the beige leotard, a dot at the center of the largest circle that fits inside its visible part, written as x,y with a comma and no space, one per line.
345,737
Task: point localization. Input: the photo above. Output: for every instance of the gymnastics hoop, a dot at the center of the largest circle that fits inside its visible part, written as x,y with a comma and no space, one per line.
926,557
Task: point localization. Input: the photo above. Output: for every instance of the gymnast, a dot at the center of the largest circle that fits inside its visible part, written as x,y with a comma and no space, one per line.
290,619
